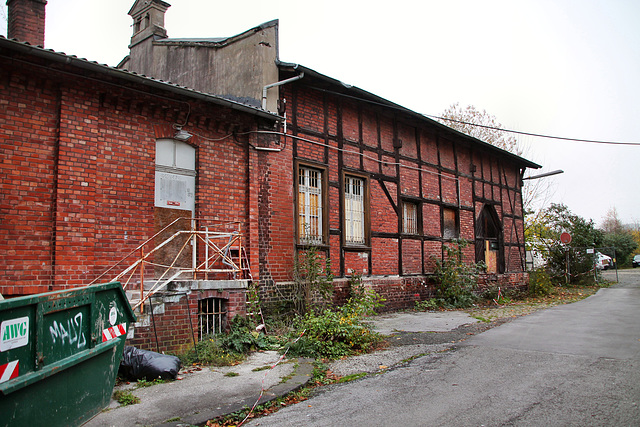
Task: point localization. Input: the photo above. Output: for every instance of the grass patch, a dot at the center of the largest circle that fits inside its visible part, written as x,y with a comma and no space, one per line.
261,368
412,358
231,374
144,383
489,311
352,377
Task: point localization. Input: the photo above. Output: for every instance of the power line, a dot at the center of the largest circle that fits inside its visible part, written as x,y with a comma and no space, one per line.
534,134
539,135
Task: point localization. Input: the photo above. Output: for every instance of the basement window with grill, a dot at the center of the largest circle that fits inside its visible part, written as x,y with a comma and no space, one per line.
212,316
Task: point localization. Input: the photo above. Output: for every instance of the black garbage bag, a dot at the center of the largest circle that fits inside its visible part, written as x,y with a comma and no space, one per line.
139,364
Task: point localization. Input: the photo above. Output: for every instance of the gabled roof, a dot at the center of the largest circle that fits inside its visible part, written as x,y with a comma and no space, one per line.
216,41
358,94
84,64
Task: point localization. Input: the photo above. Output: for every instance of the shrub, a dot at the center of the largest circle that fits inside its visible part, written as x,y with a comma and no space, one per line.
336,333
332,335
456,280
426,305
312,281
539,283
229,349
243,338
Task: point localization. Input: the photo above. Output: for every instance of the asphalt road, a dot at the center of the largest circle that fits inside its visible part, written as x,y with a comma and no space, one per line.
573,365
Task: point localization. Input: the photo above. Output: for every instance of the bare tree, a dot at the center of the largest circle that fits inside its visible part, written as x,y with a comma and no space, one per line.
611,223
536,194
480,125
3,19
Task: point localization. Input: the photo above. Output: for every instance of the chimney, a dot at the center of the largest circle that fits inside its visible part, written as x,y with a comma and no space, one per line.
148,20
26,21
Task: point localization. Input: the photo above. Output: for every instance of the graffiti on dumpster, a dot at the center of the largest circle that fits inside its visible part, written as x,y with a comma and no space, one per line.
69,332
14,333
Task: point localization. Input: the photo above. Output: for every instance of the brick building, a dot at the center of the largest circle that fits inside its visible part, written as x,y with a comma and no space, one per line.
95,163
381,189
98,160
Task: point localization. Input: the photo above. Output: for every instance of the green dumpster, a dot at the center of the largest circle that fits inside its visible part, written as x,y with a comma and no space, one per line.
59,354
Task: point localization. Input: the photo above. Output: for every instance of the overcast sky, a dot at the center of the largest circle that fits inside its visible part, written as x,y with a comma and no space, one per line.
556,67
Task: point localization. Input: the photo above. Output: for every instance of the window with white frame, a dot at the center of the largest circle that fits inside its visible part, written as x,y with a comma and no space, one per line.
409,218
310,209
354,206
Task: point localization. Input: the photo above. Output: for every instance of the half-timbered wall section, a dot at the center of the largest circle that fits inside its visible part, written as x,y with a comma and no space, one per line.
393,190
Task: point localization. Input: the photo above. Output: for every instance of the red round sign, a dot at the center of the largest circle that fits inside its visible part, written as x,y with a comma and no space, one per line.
565,238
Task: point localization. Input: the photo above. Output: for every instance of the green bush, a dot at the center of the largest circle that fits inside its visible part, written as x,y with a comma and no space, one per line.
335,333
243,338
540,284
332,335
426,305
229,349
456,280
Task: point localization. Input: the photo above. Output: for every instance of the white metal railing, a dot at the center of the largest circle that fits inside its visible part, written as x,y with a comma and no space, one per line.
222,255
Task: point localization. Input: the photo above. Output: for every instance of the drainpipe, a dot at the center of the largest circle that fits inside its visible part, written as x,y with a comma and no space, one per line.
267,87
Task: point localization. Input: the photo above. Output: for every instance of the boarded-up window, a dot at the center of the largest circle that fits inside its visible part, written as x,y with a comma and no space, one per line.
354,214
175,175
449,224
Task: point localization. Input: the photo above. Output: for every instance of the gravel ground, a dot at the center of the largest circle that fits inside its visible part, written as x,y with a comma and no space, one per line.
401,347
404,346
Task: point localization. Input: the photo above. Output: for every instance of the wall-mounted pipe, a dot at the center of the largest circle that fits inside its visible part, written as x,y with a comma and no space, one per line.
280,83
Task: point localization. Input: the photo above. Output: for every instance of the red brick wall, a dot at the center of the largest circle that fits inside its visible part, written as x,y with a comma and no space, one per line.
372,141
78,173
175,321
26,20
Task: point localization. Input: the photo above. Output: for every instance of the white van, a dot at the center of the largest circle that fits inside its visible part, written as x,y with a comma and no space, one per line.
603,262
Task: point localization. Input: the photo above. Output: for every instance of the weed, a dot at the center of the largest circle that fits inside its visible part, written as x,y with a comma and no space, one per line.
144,383
482,319
125,397
261,368
312,278
352,377
426,305
172,420
231,374
412,358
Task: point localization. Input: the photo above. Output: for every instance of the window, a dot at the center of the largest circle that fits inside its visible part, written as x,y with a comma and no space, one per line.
410,218
212,316
449,223
354,206
310,206
175,175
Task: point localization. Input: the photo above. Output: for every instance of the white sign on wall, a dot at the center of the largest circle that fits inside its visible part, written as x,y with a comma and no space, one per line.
14,333
175,191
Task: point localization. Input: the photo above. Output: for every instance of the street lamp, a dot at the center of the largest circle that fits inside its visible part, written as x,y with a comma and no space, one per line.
542,175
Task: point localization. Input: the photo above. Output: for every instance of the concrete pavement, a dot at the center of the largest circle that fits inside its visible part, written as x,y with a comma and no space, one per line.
214,391
571,365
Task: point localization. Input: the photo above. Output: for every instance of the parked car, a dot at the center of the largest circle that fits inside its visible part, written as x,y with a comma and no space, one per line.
636,261
603,262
